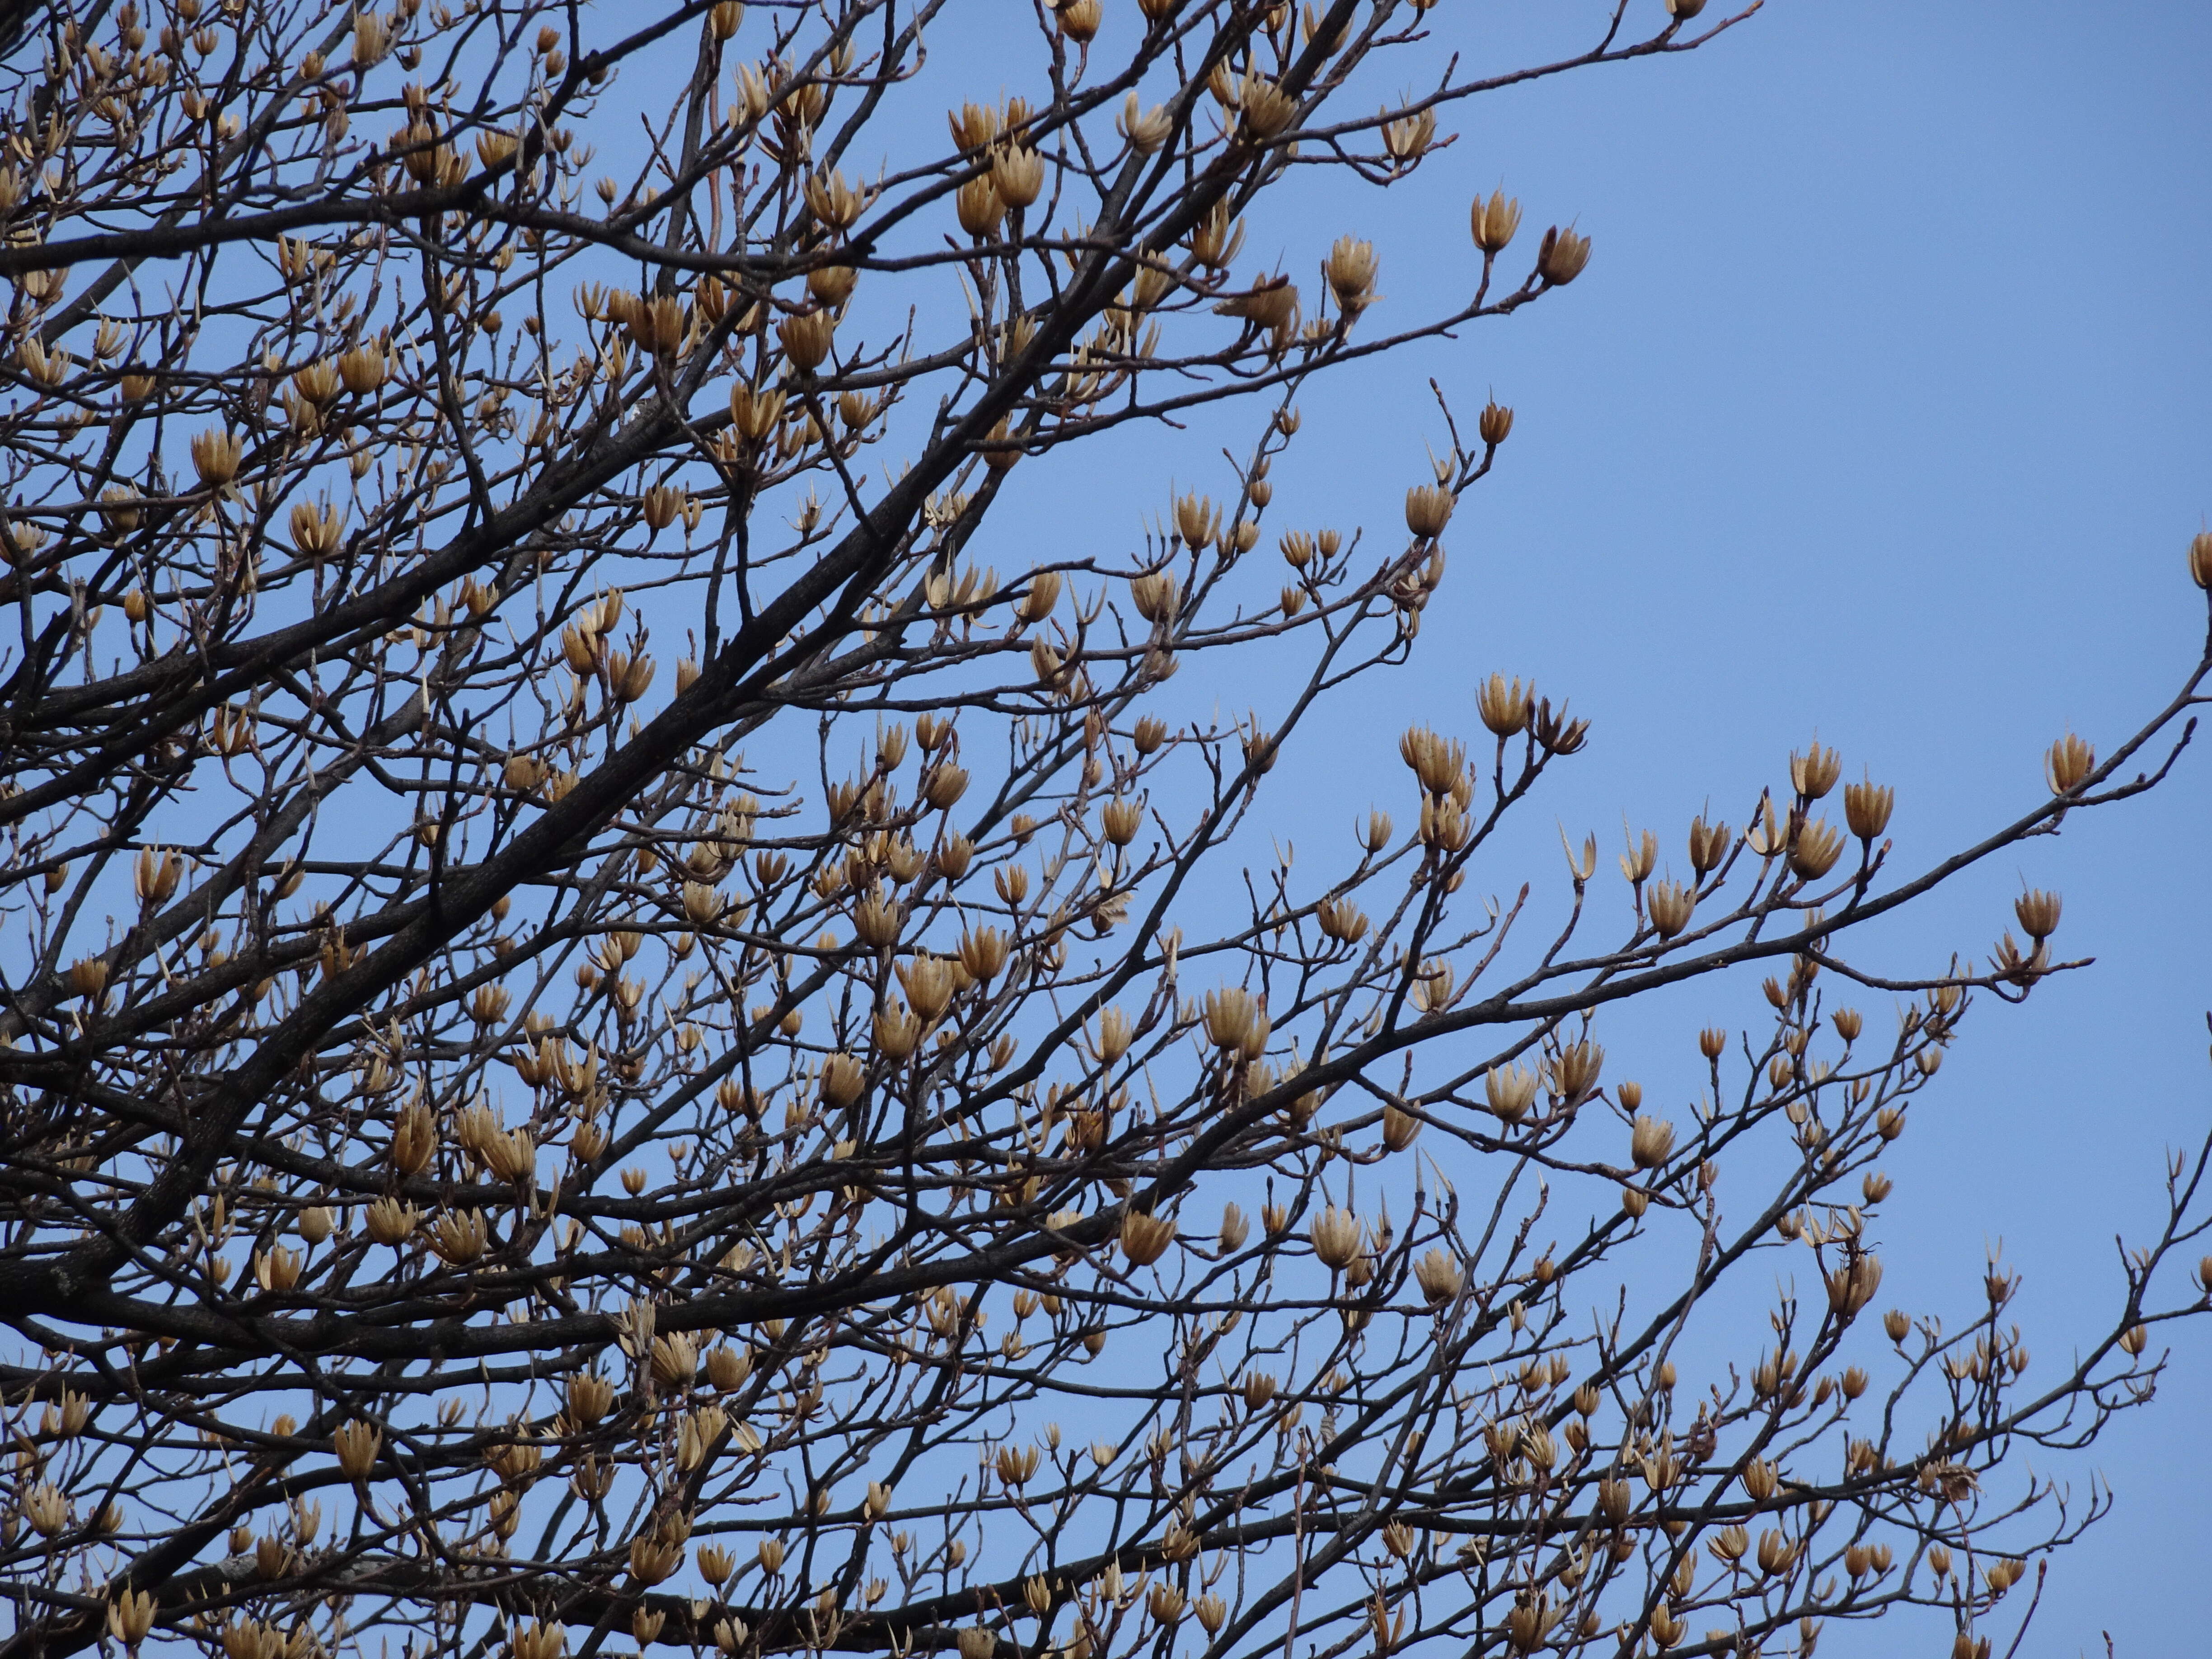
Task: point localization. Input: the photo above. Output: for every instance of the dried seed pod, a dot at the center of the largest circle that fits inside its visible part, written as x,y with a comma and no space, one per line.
1399,1129
1154,594
1438,762
1651,1142
2067,764
1428,510
1350,271
216,456
841,1079
414,1138
1235,1020
1018,175
1503,705
1120,819
1510,1092
979,207
130,1616
675,1360
1670,905
807,339
1574,1072
1817,848
1341,920
1493,223
1078,20
155,875
2038,913
1235,1230
459,1236
356,1445
391,1223
1562,257
364,369
1439,1277
1145,1239
1335,1236
1852,1286
1867,807
1814,772
1043,593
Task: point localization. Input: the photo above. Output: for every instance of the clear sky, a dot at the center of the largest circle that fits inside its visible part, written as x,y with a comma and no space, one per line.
1879,413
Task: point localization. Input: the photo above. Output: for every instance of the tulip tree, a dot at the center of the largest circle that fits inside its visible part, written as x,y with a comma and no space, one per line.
628,1026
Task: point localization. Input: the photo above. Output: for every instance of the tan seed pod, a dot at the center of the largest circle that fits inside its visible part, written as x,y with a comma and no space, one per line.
216,456
1002,447
897,1033
1670,905
1043,593
1511,1091
979,207
1439,1277
1866,807
1079,20
1154,594
832,201
1341,920
130,1616
1852,1286
1708,845
1235,1020
1120,819
841,1079
1145,1238
654,1559
675,1360
1428,510
1651,1142
1817,848
364,369
1018,175
1503,705
1493,223
2067,764
2038,912
357,1444
953,856
1410,135
458,1237
1350,271
1814,772
1438,762
156,874
1562,257
807,339
414,1138
1336,1236
1148,132
1574,1072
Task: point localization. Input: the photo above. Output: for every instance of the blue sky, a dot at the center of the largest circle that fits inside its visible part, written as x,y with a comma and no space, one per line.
1879,414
